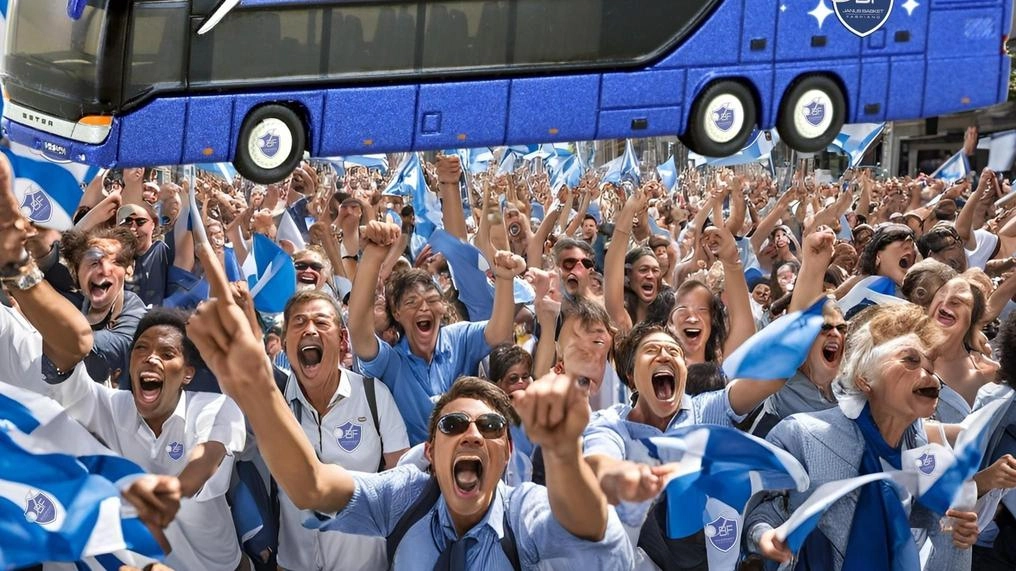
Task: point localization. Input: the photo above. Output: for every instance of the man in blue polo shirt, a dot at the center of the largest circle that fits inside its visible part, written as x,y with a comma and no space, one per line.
428,357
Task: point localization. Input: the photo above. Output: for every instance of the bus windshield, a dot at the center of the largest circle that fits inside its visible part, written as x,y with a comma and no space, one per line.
59,53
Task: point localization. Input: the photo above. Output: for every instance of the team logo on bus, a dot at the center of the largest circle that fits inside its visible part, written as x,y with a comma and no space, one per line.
722,533
724,117
348,436
863,17
269,143
39,508
175,450
814,112
36,205
926,463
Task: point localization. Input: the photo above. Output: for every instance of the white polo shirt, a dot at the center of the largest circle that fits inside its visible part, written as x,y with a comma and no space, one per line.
20,350
344,436
202,535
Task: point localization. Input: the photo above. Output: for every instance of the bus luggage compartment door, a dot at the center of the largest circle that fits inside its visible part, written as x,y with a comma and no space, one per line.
465,114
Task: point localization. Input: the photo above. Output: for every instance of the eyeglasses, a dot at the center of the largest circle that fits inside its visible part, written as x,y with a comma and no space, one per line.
304,266
139,222
841,327
491,424
414,303
513,378
568,264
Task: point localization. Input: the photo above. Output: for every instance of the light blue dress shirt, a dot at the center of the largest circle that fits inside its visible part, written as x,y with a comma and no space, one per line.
415,384
380,500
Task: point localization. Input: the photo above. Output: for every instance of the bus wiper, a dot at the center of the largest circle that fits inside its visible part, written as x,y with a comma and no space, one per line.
217,15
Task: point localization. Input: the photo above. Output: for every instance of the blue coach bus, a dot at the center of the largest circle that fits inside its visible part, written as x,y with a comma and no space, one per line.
257,82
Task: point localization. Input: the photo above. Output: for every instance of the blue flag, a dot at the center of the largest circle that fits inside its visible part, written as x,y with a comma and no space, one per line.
625,167
668,174
872,290
716,462
224,171
378,161
777,350
955,168
758,151
856,139
274,279
60,488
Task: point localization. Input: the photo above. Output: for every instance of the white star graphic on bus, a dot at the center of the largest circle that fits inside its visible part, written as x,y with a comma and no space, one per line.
821,12
910,6
783,7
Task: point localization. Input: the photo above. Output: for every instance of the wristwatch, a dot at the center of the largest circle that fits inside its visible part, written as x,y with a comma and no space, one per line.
29,277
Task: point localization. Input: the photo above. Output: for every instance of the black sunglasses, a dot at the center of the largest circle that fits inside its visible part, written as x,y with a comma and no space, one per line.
302,266
841,327
569,263
139,222
491,425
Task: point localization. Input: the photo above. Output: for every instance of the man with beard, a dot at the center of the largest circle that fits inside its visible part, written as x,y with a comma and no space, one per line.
474,521
350,422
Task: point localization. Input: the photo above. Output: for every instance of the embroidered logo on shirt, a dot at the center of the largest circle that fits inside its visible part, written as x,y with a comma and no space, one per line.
39,508
926,463
722,533
175,450
348,436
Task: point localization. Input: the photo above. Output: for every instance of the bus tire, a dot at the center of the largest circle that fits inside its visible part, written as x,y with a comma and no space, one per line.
271,144
721,119
812,113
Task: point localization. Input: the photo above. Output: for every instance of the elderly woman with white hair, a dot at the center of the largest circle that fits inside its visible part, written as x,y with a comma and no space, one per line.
885,388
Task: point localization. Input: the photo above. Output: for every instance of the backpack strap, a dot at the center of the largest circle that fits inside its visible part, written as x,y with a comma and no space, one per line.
511,550
368,389
415,513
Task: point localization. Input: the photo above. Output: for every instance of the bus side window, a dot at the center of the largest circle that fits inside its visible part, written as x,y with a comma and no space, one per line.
155,57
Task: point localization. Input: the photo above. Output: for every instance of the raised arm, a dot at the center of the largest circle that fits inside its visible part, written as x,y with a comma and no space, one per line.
502,320
816,255
66,335
223,336
965,219
534,250
613,263
766,225
555,411
742,324
449,173
377,238
735,223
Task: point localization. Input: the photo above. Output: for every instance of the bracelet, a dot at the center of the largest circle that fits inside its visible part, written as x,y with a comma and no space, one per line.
29,277
354,258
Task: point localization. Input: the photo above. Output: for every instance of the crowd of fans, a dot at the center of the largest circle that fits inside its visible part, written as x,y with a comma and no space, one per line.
468,399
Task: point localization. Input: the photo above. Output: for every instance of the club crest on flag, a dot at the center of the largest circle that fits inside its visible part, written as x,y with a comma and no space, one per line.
724,117
348,436
36,206
814,112
722,533
926,463
862,17
269,144
39,508
175,450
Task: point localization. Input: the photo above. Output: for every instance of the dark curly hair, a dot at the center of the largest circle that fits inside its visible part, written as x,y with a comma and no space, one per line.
884,235
74,244
473,388
177,319
626,348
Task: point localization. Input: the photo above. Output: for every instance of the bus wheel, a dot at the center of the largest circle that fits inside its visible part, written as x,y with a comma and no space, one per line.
271,144
721,120
812,113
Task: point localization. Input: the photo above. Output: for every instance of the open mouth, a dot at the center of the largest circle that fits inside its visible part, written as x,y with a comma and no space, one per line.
945,318
309,278
99,288
692,333
664,384
425,325
648,289
149,387
831,352
310,355
468,473
928,392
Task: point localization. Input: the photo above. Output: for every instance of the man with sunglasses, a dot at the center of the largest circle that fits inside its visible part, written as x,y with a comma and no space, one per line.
574,260
475,522
152,258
